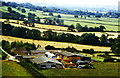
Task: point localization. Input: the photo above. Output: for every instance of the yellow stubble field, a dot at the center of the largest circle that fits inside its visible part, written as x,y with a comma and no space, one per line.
55,44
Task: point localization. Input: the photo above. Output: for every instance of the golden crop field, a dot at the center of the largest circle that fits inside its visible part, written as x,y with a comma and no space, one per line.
53,27
55,44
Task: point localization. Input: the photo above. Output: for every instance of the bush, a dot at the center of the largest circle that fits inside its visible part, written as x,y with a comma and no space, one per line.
49,47
109,60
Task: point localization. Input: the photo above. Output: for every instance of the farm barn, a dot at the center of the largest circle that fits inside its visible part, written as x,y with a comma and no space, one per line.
20,51
45,62
35,52
68,56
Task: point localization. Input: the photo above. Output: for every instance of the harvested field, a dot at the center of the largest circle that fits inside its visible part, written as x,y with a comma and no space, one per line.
55,44
42,27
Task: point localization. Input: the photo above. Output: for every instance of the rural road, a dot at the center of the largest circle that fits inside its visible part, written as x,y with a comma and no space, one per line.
10,56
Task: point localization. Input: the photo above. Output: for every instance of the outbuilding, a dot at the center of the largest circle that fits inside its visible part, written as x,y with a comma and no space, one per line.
45,62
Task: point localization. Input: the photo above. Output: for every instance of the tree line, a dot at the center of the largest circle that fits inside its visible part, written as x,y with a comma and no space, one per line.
7,46
86,38
85,28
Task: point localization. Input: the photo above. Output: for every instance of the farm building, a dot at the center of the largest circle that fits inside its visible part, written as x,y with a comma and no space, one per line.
50,55
35,52
45,62
20,51
29,56
68,56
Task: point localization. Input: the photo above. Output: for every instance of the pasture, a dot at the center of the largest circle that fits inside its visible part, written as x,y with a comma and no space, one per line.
55,44
111,24
102,69
10,68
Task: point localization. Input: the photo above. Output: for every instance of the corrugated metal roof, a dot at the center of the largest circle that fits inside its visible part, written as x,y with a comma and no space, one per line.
37,51
19,49
72,54
44,60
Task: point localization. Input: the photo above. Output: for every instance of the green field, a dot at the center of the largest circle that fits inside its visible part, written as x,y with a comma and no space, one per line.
102,69
10,68
111,24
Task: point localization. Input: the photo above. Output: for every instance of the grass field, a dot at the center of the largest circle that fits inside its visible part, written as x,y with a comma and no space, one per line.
42,28
10,68
55,44
102,69
109,23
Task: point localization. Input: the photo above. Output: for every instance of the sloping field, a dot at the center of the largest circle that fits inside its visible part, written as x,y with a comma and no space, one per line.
42,28
53,27
55,44
102,69
10,68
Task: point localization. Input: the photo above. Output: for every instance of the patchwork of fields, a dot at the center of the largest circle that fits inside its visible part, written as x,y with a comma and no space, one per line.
111,24
60,29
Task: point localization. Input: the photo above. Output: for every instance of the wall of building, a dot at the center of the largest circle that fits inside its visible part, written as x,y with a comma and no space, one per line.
48,65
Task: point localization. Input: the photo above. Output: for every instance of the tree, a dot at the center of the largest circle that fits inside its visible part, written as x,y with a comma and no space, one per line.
7,21
81,16
116,46
71,27
49,35
76,16
79,27
50,14
23,10
90,39
71,49
37,20
59,16
9,9
18,8
103,39
98,16
25,22
102,27
48,47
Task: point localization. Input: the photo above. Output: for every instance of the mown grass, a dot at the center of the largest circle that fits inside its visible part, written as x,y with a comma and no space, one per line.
101,59
10,68
102,69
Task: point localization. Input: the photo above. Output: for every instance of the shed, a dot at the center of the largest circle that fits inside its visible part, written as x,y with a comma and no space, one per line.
68,56
45,62
33,52
50,55
20,51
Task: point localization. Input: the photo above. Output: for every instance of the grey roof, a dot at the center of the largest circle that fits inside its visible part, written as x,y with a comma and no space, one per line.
40,55
44,60
37,51
72,54
19,49
58,51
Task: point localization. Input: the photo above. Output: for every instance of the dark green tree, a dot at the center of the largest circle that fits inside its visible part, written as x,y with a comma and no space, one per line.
50,14
79,27
59,16
23,10
116,46
103,40
9,9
